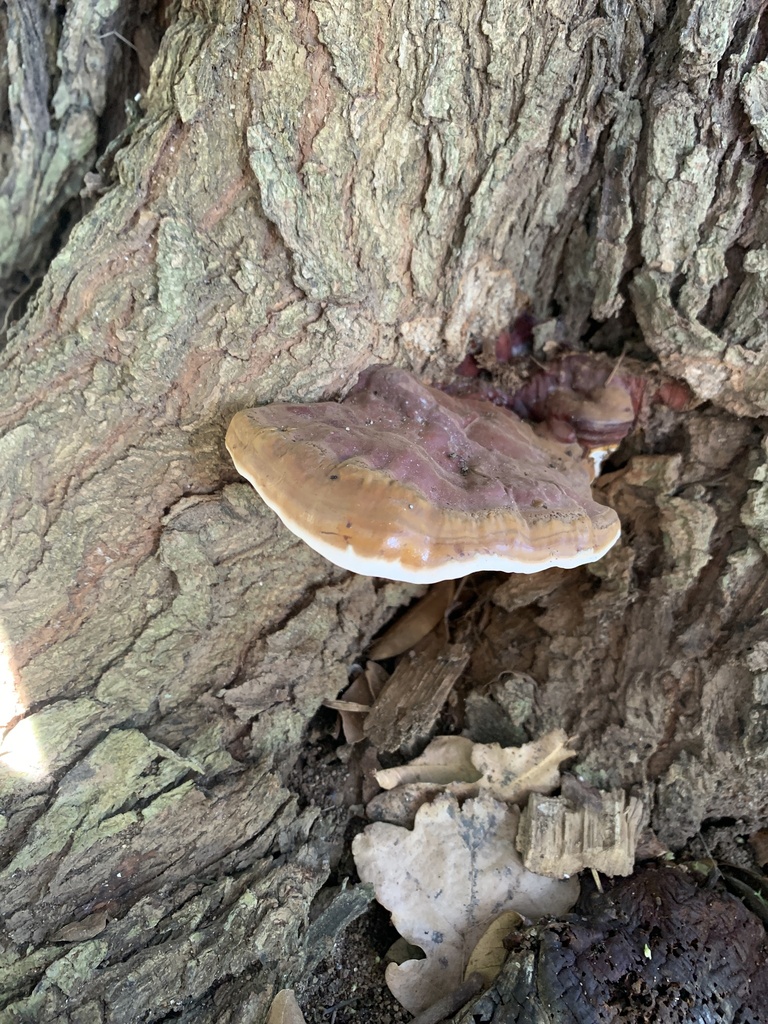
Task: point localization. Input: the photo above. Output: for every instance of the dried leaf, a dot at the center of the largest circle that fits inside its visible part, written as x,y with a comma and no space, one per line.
446,759
511,773
285,1009
359,696
357,700
376,676
415,624
398,806
489,954
444,881
451,1003
400,951
467,769
518,590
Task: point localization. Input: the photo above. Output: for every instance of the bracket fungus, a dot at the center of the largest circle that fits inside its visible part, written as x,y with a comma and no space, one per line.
582,399
402,481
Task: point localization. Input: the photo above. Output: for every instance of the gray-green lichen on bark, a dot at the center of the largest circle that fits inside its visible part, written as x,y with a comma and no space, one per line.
315,187
59,68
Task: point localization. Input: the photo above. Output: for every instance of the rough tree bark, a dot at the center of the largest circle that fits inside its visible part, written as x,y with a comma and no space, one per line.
313,187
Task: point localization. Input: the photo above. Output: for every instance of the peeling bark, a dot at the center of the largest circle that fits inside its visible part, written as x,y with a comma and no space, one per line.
313,188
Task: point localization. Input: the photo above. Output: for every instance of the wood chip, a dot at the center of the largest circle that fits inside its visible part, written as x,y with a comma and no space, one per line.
561,836
407,708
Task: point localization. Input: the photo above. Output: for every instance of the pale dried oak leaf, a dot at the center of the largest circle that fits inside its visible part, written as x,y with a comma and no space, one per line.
512,773
445,881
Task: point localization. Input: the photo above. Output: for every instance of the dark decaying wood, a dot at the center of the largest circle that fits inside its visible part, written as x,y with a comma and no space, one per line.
653,947
311,188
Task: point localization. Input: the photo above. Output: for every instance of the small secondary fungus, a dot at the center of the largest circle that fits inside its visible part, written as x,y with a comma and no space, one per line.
402,481
581,399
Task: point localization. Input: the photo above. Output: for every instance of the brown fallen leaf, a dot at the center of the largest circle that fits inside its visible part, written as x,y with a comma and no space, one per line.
444,881
285,1009
489,954
451,1003
376,678
357,699
416,623
398,806
519,591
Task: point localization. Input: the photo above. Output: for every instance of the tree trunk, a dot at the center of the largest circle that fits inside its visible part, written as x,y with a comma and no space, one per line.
312,188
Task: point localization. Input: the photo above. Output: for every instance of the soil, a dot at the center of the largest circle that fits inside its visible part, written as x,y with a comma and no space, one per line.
348,985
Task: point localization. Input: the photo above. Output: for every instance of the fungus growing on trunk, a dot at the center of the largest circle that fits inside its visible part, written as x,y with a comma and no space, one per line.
581,399
402,481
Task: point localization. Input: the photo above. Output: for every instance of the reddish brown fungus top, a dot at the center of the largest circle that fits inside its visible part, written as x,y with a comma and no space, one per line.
403,481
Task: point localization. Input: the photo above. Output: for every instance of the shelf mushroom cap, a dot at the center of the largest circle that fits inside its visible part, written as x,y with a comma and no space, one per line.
402,481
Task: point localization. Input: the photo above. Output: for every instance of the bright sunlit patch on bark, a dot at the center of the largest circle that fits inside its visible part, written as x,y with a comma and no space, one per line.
19,749
11,704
